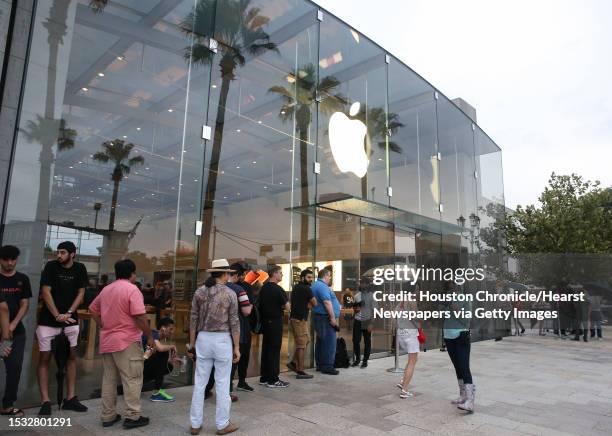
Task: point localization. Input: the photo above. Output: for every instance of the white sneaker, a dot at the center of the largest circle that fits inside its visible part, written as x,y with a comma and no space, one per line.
405,394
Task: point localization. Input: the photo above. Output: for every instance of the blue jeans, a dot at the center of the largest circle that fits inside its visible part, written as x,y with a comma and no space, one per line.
459,353
325,344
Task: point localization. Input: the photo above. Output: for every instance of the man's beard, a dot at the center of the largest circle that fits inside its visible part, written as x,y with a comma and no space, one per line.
65,261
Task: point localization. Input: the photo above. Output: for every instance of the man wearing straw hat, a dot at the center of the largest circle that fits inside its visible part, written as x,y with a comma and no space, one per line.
214,332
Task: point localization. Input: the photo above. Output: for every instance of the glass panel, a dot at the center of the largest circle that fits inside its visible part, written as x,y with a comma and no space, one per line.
352,115
413,144
259,162
108,156
5,19
458,188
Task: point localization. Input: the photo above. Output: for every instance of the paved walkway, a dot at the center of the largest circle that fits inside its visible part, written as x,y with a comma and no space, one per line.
528,385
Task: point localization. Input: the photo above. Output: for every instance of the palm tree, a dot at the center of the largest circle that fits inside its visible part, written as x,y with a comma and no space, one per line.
117,152
299,102
239,31
380,125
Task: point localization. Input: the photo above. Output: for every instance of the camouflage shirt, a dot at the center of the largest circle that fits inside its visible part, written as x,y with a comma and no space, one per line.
215,309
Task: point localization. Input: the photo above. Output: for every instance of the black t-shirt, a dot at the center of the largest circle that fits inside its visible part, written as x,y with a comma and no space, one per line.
12,290
300,297
272,300
65,284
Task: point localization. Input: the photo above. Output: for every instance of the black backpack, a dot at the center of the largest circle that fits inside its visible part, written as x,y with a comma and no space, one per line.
255,318
342,359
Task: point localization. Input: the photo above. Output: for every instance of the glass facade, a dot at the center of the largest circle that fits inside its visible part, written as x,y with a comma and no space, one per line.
290,136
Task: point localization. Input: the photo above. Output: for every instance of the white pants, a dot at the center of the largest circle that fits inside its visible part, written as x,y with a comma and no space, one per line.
212,349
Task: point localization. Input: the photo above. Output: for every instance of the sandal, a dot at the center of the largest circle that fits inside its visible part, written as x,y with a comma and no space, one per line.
13,412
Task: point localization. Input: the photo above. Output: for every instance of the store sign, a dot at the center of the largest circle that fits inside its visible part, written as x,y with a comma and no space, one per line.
346,139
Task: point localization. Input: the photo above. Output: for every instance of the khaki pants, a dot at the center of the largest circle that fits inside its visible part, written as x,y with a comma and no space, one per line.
127,364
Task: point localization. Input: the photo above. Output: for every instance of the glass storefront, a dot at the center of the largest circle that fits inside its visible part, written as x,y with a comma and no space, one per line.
290,136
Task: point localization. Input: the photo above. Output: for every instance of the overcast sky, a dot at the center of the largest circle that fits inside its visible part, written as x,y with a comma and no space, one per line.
539,73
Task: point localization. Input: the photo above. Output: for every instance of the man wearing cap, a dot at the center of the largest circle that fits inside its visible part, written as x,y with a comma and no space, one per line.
62,285
214,340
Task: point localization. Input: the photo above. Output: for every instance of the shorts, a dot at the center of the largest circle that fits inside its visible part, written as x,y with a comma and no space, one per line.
410,344
301,334
45,334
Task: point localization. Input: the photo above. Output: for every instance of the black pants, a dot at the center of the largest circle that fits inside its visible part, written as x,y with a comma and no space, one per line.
13,364
272,330
243,363
156,367
211,380
358,331
459,353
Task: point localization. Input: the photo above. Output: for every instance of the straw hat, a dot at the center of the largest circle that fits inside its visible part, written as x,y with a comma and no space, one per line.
220,265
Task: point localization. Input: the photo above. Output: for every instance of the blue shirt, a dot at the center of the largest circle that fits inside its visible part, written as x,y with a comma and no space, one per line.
453,326
322,293
155,335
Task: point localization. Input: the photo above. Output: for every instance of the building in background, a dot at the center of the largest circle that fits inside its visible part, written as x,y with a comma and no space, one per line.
276,130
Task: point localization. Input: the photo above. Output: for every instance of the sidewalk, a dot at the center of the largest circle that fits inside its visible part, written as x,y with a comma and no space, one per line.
528,385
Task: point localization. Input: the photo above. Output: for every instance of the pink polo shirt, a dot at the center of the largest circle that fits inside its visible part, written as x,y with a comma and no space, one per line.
117,305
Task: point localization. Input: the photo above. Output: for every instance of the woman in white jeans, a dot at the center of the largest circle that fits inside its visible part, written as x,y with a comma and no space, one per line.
214,320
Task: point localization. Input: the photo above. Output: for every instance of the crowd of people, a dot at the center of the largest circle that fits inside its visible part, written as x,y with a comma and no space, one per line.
225,313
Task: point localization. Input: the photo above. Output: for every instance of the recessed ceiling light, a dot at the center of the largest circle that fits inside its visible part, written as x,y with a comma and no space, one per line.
238,130
380,158
254,162
265,187
259,122
71,167
222,172
237,193
238,167
225,197
84,89
138,128
280,183
195,180
124,137
214,86
170,110
80,162
120,58
146,168
100,74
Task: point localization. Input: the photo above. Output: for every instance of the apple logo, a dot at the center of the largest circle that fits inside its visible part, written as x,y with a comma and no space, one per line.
346,139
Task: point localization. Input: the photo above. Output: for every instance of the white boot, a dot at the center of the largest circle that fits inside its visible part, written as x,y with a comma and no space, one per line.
468,404
461,398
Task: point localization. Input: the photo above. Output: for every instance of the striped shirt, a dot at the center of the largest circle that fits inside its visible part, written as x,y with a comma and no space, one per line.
243,301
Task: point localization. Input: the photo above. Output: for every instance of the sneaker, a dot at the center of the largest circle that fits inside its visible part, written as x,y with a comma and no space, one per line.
330,372
301,375
278,384
160,397
356,362
400,384
134,423
262,382
45,409
113,422
244,387
234,398
292,366
229,428
405,394
73,404
364,364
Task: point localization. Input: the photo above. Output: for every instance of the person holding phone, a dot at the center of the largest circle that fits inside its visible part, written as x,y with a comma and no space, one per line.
161,362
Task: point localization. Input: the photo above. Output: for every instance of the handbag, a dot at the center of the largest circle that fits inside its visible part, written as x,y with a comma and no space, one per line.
422,338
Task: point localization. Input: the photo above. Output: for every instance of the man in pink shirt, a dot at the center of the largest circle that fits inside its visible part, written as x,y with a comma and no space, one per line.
120,312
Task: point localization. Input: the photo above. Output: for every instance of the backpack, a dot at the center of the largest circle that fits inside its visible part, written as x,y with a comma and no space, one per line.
342,360
255,318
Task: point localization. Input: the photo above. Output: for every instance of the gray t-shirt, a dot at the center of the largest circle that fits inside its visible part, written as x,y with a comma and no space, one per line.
367,306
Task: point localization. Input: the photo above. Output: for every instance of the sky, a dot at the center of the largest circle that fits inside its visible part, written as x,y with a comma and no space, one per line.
538,72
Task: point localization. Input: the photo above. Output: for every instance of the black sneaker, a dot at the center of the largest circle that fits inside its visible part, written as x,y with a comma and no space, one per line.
356,362
301,375
292,366
278,384
331,371
263,382
134,423
45,409
244,387
113,422
73,404
364,364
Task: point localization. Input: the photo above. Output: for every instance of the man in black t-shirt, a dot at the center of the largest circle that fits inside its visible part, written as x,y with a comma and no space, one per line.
272,303
15,289
301,302
62,285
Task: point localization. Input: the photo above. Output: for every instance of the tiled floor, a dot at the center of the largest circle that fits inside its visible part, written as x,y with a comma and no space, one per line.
528,385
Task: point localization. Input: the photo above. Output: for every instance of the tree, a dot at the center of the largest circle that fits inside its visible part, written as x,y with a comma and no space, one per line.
298,103
239,31
568,238
117,152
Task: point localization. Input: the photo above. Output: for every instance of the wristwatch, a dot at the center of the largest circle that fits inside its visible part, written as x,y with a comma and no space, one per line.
69,312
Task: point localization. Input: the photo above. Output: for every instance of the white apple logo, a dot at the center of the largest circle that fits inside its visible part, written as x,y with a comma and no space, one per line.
346,139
